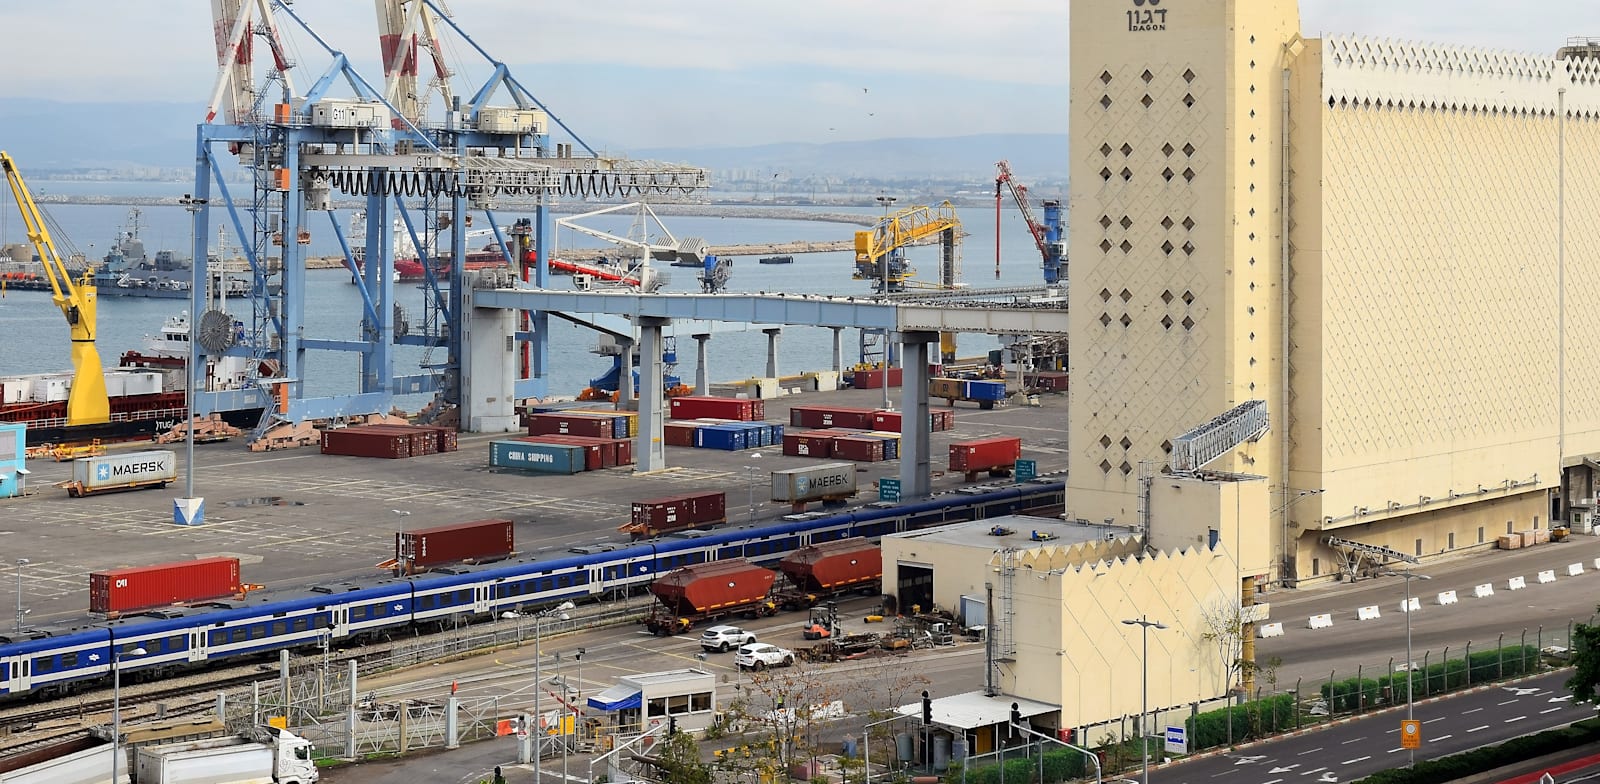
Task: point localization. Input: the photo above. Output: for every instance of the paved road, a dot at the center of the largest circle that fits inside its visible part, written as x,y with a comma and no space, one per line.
1350,750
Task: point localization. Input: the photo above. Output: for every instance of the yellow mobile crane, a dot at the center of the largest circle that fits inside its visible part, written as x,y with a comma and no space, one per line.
880,253
87,403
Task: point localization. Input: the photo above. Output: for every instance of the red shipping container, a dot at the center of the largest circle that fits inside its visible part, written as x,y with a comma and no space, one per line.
359,442
873,379
807,445
1046,380
737,409
448,437
593,459
624,452
479,540
423,441
675,513
678,433
861,450
143,587
570,425
831,416
607,447
943,419
985,454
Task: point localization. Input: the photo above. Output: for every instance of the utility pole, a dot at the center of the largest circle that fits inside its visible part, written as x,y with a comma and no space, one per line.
1144,688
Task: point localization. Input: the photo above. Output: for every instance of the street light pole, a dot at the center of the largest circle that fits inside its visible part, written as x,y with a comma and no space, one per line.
1411,754
116,705
750,478
401,552
1144,689
191,511
21,562
538,684
887,202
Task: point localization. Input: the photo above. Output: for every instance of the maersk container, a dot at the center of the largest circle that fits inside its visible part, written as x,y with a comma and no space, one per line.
815,483
713,586
479,540
984,390
985,454
125,471
143,587
830,566
726,437
545,458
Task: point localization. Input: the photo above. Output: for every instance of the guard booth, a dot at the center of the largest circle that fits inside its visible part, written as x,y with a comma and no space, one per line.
975,724
13,465
641,702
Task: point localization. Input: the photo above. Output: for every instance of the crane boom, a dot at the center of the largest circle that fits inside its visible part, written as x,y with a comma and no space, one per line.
1047,236
1019,194
87,403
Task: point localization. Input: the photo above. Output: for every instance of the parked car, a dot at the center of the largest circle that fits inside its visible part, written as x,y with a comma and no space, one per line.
725,638
759,656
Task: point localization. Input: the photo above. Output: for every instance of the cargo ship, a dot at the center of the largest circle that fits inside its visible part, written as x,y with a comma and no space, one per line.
146,392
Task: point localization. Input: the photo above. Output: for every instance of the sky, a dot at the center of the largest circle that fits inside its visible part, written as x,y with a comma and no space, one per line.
704,73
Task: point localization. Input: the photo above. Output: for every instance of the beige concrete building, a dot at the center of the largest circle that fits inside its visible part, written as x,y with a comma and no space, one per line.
1387,242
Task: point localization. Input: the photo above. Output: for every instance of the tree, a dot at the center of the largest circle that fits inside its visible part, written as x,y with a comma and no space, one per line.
1223,629
1585,659
678,759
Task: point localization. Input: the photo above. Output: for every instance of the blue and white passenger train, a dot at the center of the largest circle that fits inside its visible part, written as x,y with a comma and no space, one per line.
57,662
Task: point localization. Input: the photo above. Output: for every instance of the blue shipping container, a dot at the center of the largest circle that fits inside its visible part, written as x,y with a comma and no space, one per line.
730,438
983,390
544,458
774,434
756,434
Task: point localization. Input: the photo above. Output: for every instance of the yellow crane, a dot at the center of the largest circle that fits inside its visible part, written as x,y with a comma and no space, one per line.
882,249
87,403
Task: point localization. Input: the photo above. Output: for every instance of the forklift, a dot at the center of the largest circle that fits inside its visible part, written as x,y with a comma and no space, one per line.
823,623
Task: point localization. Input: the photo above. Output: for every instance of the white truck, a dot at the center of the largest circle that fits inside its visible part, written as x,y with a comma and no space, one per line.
90,765
285,758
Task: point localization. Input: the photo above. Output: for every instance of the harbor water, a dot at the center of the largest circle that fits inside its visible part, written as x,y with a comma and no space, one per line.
33,337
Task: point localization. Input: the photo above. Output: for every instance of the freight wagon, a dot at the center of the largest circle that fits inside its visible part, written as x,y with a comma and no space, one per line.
659,516
708,591
131,471
994,455
829,569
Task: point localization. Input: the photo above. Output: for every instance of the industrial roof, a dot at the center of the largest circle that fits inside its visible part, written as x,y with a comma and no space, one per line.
1021,533
975,709
669,676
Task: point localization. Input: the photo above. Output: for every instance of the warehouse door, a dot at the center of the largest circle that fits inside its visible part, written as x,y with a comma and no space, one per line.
915,588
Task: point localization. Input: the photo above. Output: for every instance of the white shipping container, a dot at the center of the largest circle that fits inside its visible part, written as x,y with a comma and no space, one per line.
157,465
16,389
829,480
249,762
51,389
116,383
144,382
84,767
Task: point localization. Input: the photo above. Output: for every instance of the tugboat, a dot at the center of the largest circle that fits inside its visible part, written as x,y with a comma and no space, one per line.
776,260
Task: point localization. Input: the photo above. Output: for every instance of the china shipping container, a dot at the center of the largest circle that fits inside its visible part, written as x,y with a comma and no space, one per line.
831,416
479,540
676,513
143,587
678,433
815,483
132,470
995,455
861,449
805,444
594,455
358,442
695,407
706,591
544,458
570,425
827,569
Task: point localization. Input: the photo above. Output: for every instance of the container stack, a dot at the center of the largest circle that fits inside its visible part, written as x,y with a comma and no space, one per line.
939,420
831,416
730,435
705,407
557,454
389,441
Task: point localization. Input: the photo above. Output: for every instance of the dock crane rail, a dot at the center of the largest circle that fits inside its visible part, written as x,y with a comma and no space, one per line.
87,402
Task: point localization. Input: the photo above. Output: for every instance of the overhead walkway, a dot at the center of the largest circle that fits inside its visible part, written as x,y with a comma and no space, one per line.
917,323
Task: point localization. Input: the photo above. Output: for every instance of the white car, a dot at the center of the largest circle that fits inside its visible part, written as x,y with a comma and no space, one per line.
759,656
725,638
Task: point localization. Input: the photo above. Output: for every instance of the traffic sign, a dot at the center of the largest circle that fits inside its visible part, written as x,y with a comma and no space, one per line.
1177,740
888,490
1410,734
1026,469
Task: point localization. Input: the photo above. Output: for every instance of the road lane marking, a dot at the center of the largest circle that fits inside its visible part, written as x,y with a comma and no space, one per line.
1507,702
1357,759
1550,710
1311,751
1430,721
1474,710
1443,737
1315,770
1402,748
1475,729
1352,740
1274,781
1519,718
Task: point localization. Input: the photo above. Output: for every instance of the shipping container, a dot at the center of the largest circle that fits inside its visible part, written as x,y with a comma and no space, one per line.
807,445
143,587
891,443
678,433
448,438
594,454
128,471
828,567
479,540
545,458
1046,380
359,442
943,419
862,449
984,391
567,424
831,416
996,455
726,437
676,513
423,441
947,388
631,416
814,483
695,407
709,590
624,449
873,379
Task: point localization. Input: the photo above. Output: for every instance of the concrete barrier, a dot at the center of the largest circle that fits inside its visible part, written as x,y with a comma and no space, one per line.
1447,597
1270,630
1322,621
1597,563
1411,606
1516,583
1367,613
1547,576
1573,570
1483,591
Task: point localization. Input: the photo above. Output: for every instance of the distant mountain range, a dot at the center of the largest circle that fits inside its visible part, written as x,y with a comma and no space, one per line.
58,136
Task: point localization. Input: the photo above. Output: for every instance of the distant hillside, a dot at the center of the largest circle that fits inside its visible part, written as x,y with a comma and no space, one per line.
54,135
1034,156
